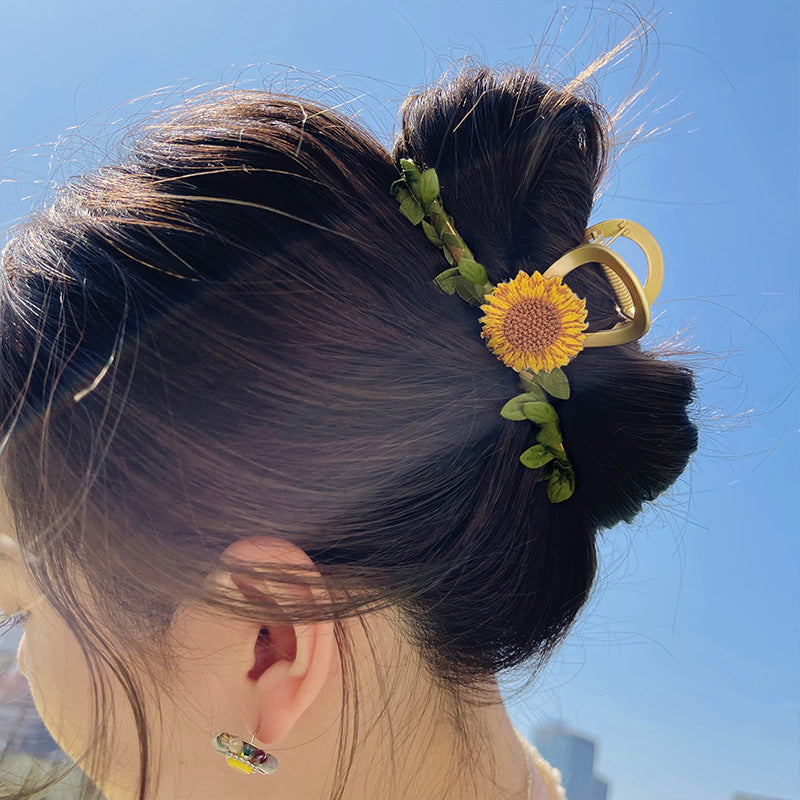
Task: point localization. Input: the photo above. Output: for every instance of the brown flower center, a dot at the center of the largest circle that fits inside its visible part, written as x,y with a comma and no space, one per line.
532,325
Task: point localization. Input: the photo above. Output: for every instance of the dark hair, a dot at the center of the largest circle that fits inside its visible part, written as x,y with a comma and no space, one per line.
235,332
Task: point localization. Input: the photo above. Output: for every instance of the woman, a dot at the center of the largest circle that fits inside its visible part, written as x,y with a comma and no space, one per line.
262,509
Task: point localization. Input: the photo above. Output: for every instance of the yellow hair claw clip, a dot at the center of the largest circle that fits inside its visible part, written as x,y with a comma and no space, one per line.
634,299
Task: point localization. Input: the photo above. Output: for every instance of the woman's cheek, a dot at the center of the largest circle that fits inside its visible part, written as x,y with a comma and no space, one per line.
21,657
51,660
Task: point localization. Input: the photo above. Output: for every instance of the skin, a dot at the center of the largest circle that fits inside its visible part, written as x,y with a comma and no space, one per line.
292,705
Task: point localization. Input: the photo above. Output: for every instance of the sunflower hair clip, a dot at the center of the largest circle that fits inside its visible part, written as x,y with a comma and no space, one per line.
535,324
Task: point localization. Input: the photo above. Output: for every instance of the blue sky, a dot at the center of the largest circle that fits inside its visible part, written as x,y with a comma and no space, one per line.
685,663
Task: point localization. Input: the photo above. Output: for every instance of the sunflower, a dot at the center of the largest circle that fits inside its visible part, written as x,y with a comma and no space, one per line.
534,322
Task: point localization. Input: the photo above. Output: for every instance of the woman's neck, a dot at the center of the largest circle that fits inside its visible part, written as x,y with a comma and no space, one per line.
417,740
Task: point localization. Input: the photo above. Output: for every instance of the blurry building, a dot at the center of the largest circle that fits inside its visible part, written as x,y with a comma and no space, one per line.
574,755
747,796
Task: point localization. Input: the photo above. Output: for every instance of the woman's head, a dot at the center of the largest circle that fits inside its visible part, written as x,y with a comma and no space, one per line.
232,340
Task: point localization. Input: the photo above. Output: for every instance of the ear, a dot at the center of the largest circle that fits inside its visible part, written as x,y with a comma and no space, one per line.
291,660
273,668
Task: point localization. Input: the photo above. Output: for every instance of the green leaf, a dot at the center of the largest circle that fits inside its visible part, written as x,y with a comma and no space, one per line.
513,408
449,256
560,486
473,271
547,471
480,298
430,232
410,169
536,395
428,187
398,186
446,280
555,383
540,412
439,222
453,239
468,291
412,210
549,435
536,456
463,288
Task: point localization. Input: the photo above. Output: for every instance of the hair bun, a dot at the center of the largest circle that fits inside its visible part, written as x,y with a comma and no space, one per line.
520,163
626,428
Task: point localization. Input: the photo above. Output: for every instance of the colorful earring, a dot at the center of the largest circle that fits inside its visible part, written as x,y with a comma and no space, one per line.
244,755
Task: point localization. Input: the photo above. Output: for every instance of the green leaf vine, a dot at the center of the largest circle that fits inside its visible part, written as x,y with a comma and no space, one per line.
417,192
